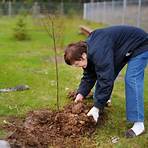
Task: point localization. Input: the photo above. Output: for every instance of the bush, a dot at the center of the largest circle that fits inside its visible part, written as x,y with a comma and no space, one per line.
20,31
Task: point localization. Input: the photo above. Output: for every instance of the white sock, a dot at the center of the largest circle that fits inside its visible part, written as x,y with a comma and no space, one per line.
138,128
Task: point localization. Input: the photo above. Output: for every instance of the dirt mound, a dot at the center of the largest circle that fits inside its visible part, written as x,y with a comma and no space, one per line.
43,128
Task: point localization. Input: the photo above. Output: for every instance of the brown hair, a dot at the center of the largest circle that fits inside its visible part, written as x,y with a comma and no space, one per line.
74,51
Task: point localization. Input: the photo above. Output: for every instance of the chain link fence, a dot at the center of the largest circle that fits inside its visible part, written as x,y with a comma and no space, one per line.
37,8
131,12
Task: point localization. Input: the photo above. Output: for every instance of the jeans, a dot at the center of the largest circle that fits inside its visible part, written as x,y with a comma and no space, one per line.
134,87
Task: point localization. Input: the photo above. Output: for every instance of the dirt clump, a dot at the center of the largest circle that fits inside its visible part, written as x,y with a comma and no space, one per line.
72,94
44,128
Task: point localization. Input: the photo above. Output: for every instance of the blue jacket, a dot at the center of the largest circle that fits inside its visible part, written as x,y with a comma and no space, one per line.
108,51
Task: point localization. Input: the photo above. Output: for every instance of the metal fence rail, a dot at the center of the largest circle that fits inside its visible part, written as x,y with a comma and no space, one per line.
129,12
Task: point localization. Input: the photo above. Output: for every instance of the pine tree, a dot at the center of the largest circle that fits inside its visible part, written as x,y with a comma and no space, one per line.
20,31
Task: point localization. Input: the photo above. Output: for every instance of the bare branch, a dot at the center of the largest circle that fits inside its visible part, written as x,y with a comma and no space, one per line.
51,33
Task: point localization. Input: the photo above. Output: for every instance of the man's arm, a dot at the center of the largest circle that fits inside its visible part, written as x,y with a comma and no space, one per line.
87,81
105,78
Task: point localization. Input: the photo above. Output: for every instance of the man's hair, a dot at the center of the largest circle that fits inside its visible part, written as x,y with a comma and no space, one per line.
74,51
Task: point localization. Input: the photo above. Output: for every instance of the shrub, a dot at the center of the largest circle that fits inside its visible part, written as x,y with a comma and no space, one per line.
20,31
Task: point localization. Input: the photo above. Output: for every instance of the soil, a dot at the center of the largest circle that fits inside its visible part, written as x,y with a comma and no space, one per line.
44,128
72,95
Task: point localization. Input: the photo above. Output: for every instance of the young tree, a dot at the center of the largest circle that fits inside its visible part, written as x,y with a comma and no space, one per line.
49,27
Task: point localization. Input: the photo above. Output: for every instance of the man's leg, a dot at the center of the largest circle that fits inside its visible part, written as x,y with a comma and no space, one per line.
134,87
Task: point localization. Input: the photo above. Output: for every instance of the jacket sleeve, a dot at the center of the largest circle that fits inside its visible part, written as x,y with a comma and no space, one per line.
87,81
104,67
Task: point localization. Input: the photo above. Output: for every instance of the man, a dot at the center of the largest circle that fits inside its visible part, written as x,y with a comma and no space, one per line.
102,56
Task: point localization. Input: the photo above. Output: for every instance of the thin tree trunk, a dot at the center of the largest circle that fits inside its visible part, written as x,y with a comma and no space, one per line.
56,62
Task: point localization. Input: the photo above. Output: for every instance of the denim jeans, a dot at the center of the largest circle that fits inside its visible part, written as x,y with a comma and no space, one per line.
134,87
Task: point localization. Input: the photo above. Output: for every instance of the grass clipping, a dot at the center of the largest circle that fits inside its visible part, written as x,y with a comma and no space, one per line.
43,128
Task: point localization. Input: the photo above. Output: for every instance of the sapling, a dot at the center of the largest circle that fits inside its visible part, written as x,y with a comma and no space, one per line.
49,27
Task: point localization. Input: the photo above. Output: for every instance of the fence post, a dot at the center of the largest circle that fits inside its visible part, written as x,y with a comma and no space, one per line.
124,11
113,10
104,11
139,14
113,5
9,8
62,8
91,11
84,11
35,9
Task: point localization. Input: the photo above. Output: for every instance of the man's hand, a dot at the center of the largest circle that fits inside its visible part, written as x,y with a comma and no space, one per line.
79,98
94,112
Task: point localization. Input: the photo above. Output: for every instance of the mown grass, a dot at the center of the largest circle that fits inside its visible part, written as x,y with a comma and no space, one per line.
31,62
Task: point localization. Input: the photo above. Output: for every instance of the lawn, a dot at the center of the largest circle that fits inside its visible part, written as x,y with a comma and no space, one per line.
31,62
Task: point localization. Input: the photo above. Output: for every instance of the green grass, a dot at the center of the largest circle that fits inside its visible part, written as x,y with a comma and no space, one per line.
31,62
28,62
